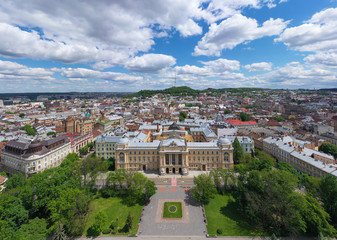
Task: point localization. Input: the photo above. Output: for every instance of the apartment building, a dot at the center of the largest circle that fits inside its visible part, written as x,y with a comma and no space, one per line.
29,157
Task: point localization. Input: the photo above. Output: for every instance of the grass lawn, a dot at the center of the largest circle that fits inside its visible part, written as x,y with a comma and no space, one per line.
172,210
221,212
114,208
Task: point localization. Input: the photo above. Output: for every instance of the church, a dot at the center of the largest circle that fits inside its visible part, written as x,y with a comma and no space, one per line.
174,154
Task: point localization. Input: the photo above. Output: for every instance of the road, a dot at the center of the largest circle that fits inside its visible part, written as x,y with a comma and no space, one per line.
191,238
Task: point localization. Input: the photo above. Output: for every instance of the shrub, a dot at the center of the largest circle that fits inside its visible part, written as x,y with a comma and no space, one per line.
106,231
219,231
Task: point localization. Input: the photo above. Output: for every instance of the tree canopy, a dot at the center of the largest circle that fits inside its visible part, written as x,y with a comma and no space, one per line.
329,148
238,153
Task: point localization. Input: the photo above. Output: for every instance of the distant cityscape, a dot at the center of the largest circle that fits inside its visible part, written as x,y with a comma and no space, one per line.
288,124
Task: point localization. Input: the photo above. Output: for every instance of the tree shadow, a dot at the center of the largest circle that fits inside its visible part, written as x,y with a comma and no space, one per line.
231,211
189,200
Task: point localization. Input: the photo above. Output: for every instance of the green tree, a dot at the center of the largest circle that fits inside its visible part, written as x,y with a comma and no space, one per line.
279,118
91,145
83,150
51,133
12,211
35,229
7,232
29,130
59,233
150,190
70,160
17,180
182,116
128,223
22,115
90,167
98,226
268,198
70,207
245,117
328,195
140,188
237,152
204,188
317,219
111,163
329,148
4,174
227,111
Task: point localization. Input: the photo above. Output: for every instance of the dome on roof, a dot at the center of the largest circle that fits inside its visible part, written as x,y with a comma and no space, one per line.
123,140
224,141
174,126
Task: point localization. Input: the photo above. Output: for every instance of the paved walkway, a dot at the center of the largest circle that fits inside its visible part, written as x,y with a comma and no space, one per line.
192,238
191,174
193,225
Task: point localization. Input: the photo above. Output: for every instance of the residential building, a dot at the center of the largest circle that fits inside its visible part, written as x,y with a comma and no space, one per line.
29,157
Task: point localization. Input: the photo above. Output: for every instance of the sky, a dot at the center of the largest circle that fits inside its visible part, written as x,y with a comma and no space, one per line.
130,45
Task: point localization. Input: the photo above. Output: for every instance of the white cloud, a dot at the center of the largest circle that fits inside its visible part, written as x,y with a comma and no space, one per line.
295,75
234,31
150,63
317,34
12,71
16,43
328,59
104,33
84,73
222,65
261,66
220,9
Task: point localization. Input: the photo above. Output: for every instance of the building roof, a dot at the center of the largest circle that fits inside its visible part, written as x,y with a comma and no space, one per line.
174,126
2,179
239,122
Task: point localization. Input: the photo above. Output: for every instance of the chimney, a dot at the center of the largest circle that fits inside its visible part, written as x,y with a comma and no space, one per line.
157,127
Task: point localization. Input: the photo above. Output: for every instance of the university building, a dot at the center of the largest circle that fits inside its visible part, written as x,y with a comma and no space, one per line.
174,154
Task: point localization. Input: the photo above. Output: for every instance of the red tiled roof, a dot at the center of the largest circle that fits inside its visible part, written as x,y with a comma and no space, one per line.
2,179
97,133
274,123
239,122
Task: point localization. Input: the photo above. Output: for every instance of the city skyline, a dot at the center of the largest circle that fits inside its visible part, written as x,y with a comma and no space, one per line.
127,46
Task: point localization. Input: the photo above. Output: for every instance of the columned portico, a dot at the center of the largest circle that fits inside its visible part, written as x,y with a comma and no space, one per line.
174,162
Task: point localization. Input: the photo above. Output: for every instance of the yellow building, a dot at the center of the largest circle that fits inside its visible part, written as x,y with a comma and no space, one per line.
174,155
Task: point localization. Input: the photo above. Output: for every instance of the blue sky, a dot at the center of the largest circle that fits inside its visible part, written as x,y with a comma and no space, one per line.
57,46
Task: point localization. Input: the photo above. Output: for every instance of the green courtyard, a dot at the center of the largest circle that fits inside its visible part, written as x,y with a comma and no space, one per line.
224,219
172,210
114,208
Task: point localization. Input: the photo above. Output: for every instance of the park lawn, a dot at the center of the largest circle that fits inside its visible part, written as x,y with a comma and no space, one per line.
221,212
177,214
114,208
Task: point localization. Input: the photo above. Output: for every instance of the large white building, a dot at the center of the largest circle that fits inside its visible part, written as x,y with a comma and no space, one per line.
29,157
293,151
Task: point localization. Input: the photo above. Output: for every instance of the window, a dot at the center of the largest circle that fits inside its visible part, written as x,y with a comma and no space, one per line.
226,157
180,159
167,159
173,159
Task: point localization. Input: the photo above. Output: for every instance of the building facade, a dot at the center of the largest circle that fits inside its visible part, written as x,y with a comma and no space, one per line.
174,155
106,146
28,157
